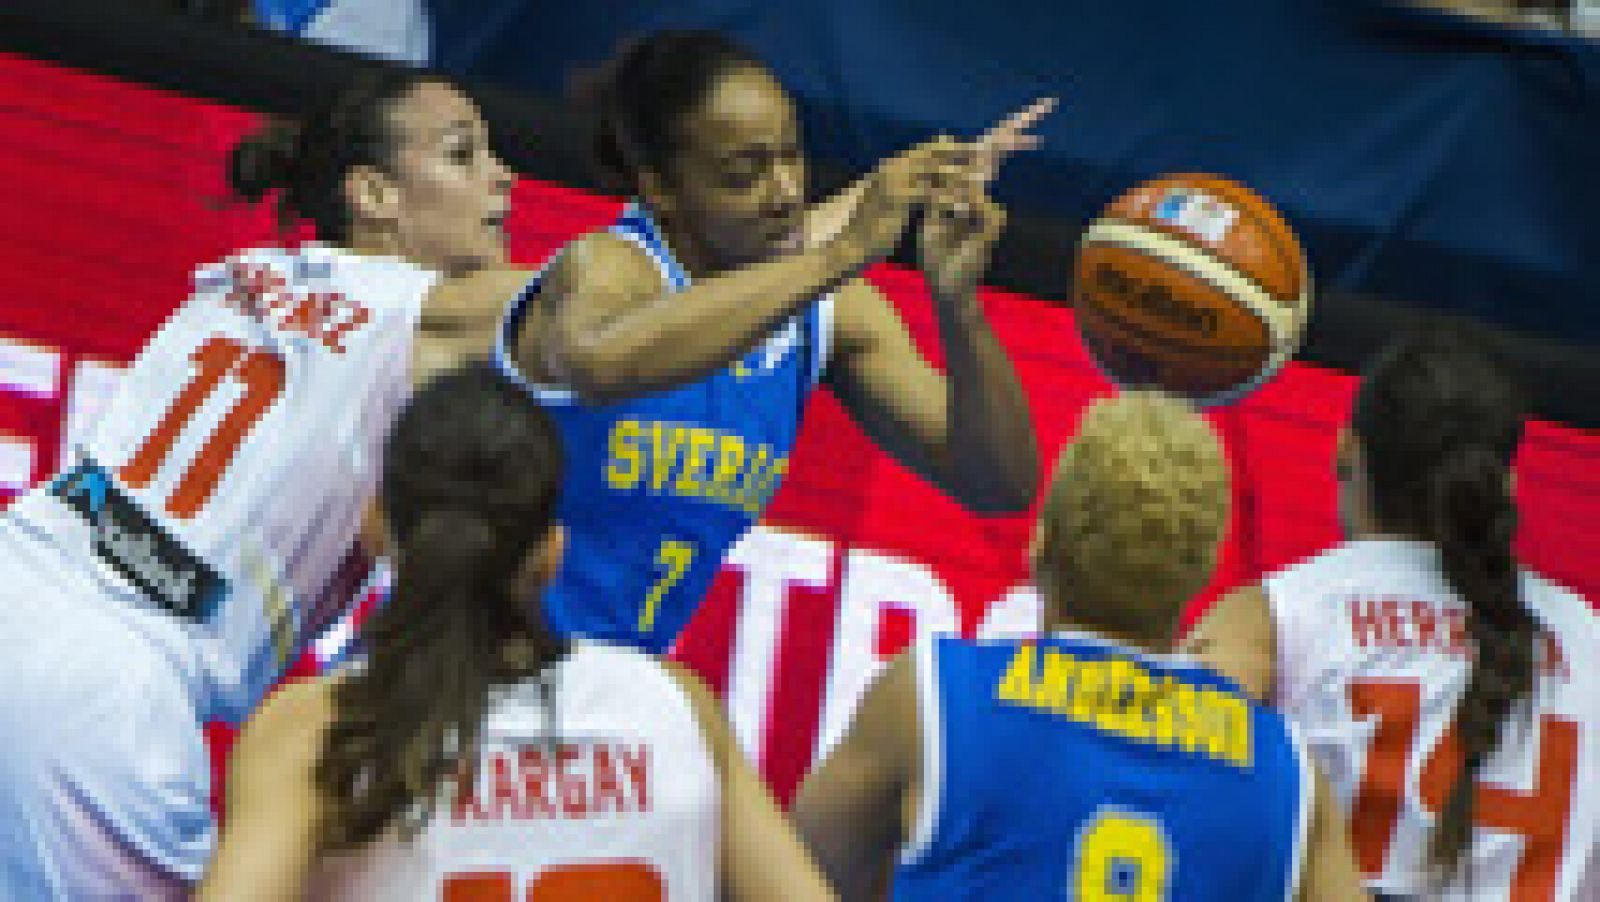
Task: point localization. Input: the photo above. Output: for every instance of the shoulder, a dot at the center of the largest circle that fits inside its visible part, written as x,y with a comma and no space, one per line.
1311,570
1237,638
604,260
858,304
481,294
1562,608
862,318
890,716
701,699
707,711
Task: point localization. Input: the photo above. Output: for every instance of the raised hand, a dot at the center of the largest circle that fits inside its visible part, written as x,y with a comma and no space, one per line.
960,221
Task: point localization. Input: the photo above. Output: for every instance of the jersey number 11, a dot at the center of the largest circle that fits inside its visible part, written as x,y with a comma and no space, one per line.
262,375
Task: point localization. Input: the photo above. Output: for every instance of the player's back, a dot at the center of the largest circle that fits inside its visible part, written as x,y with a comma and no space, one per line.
601,786
1372,662
220,492
1071,767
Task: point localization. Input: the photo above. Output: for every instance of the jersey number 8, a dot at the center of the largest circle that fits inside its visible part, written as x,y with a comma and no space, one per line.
1122,857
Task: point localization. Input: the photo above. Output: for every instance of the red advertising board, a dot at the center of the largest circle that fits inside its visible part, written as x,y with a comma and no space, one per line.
114,193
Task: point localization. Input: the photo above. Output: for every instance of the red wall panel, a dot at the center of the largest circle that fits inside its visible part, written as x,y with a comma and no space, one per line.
113,193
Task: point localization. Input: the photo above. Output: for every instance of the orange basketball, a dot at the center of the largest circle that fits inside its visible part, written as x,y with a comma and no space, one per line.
1194,284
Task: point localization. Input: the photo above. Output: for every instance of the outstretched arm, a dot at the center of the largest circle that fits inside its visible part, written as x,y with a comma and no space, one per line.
967,430
607,327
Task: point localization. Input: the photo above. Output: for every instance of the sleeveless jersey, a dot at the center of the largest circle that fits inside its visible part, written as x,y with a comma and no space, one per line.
604,791
1069,767
658,487
215,504
1372,662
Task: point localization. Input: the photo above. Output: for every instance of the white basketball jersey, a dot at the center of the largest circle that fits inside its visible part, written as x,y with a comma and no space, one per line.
221,491
610,794
1372,662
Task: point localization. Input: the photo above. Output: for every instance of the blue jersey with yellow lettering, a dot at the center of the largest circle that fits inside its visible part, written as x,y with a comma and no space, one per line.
1069,767
658,487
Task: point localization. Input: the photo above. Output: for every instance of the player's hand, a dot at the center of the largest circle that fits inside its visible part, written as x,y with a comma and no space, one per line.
960,221
959,228
979,160
866,222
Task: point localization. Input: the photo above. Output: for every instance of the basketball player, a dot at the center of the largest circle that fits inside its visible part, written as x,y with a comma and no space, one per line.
677,348
1086,763
1452,699
188,549
474,754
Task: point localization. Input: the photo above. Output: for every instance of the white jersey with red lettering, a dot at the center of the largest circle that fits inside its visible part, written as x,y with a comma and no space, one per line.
600,785
184,553
1372,663
247,437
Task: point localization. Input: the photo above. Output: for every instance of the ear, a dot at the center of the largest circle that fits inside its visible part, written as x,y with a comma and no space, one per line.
374,533
371,194
1347,456
1036,544
545,559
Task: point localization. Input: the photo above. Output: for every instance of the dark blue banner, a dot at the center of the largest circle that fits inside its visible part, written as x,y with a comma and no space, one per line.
1421,156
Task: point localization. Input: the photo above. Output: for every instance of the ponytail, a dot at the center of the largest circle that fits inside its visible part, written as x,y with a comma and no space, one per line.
1438,420
1473,520
469,489
263,162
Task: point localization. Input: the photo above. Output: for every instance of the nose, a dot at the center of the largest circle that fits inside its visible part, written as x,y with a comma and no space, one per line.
788,186
501,175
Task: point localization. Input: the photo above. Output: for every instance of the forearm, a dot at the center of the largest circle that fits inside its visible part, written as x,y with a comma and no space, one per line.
680,336
991,450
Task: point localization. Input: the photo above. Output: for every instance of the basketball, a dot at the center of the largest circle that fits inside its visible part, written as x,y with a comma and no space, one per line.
1194,284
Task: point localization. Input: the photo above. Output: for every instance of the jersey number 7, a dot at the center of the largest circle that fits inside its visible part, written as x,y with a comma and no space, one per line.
1538,816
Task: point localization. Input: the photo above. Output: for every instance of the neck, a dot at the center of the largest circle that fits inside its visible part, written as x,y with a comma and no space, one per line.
690,253
378,244
1055,619
1368,528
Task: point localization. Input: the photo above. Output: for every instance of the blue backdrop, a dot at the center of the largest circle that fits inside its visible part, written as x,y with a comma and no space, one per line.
1421,156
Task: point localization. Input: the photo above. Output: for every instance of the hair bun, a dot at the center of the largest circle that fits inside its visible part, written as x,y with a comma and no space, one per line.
263,162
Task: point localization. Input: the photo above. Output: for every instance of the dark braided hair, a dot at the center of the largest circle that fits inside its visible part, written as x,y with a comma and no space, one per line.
1439,420
306,162
469,487
636,101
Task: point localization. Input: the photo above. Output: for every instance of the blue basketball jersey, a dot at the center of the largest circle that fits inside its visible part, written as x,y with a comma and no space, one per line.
658,487
1069,767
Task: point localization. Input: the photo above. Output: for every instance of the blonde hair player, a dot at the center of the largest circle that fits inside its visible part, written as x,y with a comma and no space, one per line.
1086,763
474,754
203,532
1451,697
